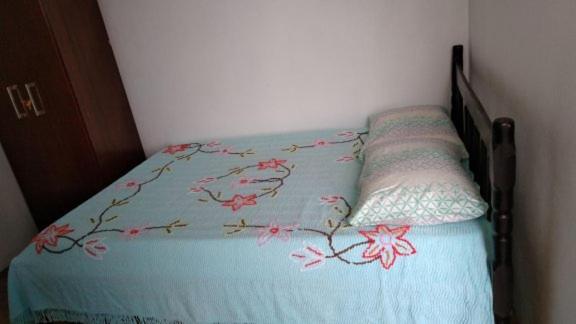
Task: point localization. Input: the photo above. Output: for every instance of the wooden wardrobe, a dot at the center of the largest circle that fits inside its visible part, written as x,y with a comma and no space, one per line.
65,122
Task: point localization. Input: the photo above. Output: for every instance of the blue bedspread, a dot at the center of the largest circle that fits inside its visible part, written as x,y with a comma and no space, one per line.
248,230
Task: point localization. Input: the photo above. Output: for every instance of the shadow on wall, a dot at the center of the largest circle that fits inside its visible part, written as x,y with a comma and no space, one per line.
16,224
538,213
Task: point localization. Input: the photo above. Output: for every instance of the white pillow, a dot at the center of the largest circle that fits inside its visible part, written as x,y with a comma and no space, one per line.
415,182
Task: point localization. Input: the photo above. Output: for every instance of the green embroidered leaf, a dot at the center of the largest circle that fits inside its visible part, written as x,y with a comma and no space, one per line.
329,221
111,218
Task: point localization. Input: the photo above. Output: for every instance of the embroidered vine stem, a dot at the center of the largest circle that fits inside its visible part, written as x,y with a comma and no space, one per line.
115,203
286,172
335,253
359,141
200,147
96,229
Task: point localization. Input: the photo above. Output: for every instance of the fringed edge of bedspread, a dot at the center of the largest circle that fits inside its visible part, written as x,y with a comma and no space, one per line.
57,315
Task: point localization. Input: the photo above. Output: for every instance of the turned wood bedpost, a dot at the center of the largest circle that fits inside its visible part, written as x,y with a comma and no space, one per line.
503,180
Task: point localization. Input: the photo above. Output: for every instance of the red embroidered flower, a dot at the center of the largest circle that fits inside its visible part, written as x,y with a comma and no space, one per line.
386,243
49,236
133,232
281,232
238,201
241,182
310,257
346,134
330,200
128,184
213,144
225,151
173,149
272,164
321,143
95,248
206,180
346,158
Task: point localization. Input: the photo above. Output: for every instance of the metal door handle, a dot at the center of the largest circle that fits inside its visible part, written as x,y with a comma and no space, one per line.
17,101
34,99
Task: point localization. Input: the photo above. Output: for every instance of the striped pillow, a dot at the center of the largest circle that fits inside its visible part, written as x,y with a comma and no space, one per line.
416,182
417,122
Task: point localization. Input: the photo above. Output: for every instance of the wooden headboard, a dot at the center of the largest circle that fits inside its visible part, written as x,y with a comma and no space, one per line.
493,162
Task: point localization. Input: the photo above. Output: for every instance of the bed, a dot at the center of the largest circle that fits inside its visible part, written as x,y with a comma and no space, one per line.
254,230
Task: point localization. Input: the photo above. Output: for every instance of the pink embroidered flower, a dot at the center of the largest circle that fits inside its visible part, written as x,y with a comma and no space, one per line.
241,182
272,164
224,151
128,184
206,180
238,201
95,248
49,236
346,134
213,144
281,232
386,243
330,200
309,258
133,232
346,158
321,143
173,149
196,189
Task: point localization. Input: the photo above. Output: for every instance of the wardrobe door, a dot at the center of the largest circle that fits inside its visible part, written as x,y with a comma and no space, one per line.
46,141
79,30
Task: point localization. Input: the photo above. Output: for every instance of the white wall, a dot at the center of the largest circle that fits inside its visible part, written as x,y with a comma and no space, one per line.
16,225
523,64
214,68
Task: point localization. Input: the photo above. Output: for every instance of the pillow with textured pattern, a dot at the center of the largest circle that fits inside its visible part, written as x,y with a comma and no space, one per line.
415,182
416,122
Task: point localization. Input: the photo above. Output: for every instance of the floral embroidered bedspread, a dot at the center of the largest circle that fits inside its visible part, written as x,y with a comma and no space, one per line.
248,230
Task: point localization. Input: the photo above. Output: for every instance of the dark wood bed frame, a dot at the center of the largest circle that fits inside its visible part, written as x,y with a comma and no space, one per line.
493,162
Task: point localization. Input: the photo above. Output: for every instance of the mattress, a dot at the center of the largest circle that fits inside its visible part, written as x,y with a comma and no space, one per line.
249,230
